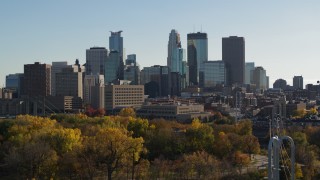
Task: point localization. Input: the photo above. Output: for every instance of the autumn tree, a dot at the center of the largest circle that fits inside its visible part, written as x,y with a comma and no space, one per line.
199,137
111,147
251,145
126,112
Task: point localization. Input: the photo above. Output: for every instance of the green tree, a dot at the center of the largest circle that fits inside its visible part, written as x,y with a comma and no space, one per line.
199,137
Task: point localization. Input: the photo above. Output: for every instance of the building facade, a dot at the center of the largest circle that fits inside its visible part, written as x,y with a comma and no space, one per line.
156,80
95,60
174,61
89,82
197,55
69,82
249,67
37,79
298,82
260,78
214,73
113,68
233,54
120,96
56,68
132,70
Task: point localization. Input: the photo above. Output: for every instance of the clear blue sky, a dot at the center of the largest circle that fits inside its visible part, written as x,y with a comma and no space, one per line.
283,36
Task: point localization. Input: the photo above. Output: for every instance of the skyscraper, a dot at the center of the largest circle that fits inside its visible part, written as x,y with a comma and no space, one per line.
260,78
249,67
214,73
113,67
56,68
233,54
197,55
298,82
116,45
69,82
174,60
116,42
95,60
37,79
132,70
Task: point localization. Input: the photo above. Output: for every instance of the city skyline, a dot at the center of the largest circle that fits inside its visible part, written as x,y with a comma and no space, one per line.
279,35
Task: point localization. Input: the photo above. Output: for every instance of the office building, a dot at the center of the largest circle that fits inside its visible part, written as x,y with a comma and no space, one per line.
132,70
175,52
233,54
214,73
156,80
14,84
56,68
173,111
197,55
116,42
91,83
249,67
260,78
69,82
113,68
37,79
298,82
120,96
95,60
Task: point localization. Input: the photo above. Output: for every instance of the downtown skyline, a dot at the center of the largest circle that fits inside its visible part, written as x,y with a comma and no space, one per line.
280,36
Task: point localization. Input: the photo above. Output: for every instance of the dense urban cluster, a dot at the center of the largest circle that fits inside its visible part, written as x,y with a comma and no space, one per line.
194,118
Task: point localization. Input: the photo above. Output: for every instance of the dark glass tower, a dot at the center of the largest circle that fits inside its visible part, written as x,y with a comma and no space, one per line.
233,54
197,55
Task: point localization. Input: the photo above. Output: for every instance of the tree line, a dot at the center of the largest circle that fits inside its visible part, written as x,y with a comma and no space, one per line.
124,147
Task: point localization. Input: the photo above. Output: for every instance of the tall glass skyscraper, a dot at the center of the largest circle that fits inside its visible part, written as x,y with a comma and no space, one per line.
249,67
113,67
175,52
197,55
116,45
233,54
116,42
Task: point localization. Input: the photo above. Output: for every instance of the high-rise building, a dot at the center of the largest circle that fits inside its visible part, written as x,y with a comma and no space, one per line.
197,55
185,75
214,73
260,78
298,82
116,45
233,54
89,82
56,68
14,83
37,79
69,82
132,70
113,68
249,67
116,42
174,59
95,60
156,80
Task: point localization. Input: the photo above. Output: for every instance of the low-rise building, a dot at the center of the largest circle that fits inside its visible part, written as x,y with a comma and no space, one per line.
120,96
